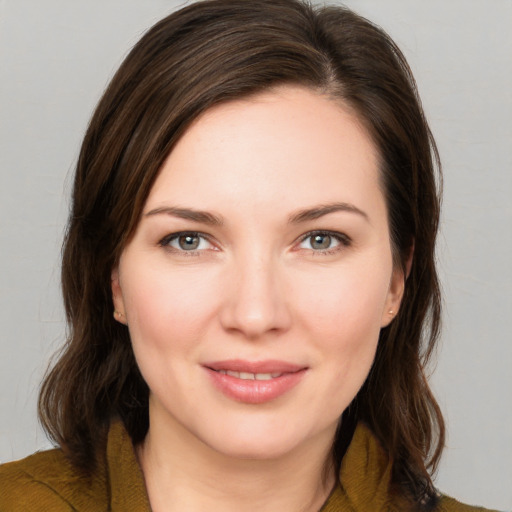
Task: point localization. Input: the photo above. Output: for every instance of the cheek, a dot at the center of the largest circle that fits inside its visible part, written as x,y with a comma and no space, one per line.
344,302
343,317
168,310
167,316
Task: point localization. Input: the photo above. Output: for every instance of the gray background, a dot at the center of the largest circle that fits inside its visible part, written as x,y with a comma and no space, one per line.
55,59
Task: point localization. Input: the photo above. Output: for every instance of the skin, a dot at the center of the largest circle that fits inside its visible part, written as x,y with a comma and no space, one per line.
257,289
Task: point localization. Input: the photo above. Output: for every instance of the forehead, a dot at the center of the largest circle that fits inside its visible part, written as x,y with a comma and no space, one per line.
286,146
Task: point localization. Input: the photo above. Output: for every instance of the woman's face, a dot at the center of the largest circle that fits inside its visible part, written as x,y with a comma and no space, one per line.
260,275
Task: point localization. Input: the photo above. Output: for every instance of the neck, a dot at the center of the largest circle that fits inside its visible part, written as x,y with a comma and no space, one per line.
183,473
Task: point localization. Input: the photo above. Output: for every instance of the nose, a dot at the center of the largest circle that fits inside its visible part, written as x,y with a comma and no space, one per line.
256,302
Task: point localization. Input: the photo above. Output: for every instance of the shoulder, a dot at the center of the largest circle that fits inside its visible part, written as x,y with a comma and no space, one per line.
365,480
447,504
47,481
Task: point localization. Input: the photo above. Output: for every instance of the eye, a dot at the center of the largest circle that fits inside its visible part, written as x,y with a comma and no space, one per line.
324,241
187,241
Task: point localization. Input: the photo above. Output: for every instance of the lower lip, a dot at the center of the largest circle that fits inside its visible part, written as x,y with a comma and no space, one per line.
255,391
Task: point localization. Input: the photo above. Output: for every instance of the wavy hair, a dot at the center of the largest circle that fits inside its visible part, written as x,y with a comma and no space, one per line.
205,54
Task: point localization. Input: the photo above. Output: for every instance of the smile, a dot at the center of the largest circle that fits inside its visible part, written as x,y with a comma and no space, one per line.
254,382
250,376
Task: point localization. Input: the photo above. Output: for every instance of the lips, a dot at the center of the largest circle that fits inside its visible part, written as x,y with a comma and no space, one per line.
254,382
251,376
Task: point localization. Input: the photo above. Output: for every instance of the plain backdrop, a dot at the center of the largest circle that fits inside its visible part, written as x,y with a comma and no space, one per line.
56,57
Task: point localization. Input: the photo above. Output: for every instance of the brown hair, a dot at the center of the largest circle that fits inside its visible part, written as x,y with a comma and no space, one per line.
204,54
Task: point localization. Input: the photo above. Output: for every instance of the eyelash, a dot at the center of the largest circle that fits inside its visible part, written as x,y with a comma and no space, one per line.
166,241
344,241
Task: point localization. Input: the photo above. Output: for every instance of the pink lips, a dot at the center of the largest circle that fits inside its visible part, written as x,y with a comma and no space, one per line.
254,382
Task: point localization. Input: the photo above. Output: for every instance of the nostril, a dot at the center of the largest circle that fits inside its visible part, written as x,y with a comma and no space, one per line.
254,303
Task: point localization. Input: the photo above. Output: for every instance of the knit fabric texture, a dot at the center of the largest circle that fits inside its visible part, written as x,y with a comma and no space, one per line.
46,481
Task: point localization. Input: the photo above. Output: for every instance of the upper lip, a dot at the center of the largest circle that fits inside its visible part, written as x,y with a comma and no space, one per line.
266,366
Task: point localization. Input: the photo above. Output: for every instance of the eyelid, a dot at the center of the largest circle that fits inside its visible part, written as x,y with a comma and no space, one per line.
166,240
342,238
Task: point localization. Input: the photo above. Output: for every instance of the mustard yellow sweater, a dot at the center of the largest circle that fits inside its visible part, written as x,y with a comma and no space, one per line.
47,482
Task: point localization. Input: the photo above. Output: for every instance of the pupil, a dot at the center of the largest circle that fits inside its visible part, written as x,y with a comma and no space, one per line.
321,242
189,242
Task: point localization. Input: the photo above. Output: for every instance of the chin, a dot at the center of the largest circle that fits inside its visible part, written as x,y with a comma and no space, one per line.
260,441
255,449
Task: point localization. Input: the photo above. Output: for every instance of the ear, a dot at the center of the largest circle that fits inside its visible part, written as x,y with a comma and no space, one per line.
394,296
396,289
117,297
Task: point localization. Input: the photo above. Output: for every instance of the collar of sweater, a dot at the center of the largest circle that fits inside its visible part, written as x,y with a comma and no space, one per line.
364,482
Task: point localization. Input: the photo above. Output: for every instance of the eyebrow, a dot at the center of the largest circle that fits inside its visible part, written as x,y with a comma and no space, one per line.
296,218
188,214
325,209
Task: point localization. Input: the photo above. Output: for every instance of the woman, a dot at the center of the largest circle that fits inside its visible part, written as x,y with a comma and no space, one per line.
249,277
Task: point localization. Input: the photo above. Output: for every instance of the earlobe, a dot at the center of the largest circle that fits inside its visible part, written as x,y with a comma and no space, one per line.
117,297
394,297
397,288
